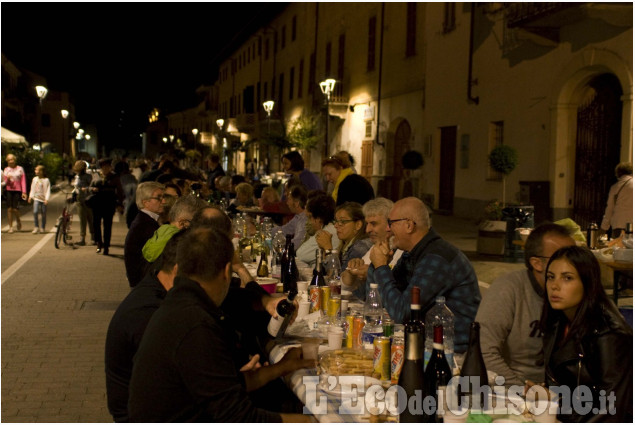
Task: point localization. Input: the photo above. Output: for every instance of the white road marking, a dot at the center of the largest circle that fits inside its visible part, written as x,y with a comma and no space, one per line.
26,257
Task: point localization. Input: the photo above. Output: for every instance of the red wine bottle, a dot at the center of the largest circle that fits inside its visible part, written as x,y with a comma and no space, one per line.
438,374
278,326
411,379
473,373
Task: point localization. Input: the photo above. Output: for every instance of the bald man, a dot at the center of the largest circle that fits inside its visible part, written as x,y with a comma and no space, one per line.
429,262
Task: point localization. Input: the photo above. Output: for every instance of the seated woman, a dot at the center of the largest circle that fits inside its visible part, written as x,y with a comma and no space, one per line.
348,186
588,346
320,211
351,231
244,198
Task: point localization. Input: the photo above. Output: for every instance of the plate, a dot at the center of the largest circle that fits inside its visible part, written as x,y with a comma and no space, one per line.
357,385
266,280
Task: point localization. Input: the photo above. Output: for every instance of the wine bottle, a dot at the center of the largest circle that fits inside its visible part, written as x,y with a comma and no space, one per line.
263,270
244,243
284,260
278,326
473,373
291,272
438,374
318,273
411,379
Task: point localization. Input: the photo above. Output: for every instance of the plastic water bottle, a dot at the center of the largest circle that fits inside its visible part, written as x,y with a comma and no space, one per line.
440,315
373,310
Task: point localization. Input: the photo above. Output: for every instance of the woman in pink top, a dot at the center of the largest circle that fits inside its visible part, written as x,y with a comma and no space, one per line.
14,180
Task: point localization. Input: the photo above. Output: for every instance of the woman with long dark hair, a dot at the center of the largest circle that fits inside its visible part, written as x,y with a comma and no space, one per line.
588,346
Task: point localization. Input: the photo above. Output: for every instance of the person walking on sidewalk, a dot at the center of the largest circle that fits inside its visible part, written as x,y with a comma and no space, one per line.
81,184
109,196
14,180
40,194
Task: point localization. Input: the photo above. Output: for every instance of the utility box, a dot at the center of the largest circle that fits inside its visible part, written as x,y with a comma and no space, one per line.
537,193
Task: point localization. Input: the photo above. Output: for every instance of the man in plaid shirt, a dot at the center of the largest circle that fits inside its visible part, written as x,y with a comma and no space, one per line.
429,262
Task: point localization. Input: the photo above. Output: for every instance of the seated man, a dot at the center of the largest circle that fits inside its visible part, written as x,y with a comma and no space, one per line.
186,367
511,339
150,203
296,201
375,215
428,262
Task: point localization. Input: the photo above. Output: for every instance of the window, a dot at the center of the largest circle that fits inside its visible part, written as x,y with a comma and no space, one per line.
496,130
294,23
311,74
281,88
266,49
291,80
300,78
340,65
327,61
369,130
449,17
372,35
283,42
411,28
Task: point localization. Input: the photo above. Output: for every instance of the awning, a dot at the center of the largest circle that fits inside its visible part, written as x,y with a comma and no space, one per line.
9,136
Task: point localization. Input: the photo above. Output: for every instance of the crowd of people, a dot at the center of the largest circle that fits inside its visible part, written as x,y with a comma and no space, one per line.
189,342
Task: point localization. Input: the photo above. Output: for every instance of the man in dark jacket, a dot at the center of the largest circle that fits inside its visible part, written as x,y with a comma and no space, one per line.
150,203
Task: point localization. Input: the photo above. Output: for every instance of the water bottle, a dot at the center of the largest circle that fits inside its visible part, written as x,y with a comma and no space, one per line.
373,309
440,315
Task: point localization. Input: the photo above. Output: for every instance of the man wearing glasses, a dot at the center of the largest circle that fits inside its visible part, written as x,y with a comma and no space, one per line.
149,199
429,262
511,340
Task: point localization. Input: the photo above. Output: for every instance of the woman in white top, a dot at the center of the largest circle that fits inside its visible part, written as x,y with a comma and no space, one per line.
619,207
40,194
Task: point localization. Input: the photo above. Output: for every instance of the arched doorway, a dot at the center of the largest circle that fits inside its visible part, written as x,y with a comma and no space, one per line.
401,144
598,135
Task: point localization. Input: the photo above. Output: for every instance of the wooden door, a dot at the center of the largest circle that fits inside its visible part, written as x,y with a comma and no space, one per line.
367,159
597,149
448,166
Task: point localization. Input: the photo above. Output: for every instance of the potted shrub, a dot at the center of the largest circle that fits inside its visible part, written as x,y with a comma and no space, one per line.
503,159
491,231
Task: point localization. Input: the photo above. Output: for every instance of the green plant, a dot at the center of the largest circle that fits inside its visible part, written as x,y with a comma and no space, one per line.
494,210
303,131
503,159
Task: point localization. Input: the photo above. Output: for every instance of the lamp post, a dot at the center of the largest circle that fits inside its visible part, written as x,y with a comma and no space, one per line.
268,105
74,142
64,113
41,94
327,88
220,122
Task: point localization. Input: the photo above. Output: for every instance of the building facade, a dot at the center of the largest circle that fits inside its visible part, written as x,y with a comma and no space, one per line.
449,81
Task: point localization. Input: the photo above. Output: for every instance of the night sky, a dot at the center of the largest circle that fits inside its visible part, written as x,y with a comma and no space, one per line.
126,56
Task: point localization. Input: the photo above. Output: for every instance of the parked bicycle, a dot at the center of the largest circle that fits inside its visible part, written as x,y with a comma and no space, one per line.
62,233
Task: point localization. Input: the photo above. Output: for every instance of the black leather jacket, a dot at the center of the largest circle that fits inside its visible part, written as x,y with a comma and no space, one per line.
602,360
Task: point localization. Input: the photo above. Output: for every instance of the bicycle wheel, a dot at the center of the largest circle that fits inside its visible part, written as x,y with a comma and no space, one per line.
60,232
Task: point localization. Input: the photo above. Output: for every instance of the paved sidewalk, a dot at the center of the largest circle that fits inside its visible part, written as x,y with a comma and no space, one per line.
55,313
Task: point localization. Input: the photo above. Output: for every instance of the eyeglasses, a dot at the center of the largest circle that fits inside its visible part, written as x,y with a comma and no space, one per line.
390,222
341,222
156,198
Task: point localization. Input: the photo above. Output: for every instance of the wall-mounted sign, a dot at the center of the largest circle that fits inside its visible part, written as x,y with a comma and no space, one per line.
369,113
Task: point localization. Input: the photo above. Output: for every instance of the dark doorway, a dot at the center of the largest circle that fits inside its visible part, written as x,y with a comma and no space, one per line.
597,148
402,145
448,166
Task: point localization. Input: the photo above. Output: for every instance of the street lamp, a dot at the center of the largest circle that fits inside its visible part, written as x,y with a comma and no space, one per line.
74,146
268,105
41,93
219,123
64,113
327,88
195,132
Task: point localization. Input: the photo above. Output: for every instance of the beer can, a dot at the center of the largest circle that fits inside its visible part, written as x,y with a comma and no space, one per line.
334,306
396,358
315,297
326,295
358,326
382,357
389,327
349,330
